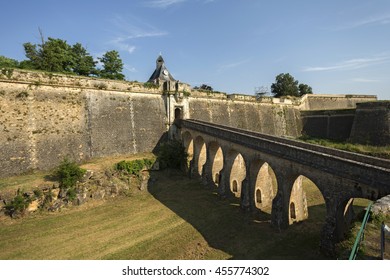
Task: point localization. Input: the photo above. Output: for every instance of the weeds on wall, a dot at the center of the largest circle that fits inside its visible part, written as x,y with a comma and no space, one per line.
7,72
150,85
101,86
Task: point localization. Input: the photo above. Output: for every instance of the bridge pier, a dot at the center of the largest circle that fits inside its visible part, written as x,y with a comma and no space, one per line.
245,204
339,215
328,239
280,205
223,186
207,173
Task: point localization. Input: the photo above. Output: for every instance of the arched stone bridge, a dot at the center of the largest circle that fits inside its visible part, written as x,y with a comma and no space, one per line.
267,171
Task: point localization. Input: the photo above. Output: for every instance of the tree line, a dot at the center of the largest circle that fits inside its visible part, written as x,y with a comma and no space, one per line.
56,55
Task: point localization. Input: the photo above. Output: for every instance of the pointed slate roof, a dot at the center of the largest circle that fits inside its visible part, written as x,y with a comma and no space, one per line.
161,73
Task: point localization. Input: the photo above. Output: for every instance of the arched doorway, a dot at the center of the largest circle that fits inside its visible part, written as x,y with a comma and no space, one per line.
265,185
178,113
237,173
306,200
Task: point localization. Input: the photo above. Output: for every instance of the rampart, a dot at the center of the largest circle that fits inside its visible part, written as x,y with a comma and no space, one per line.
46,117
372,124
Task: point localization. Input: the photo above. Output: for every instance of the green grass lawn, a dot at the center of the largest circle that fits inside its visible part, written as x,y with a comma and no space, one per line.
369,150
177,219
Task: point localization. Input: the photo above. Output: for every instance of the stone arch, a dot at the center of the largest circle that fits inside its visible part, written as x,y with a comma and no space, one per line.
264,186
200,154
237,172
216,157
306,196
346,212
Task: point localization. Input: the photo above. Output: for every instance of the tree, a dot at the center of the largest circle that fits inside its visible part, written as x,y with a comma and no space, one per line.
285,84
304,89
53,55
261,91
204,87
112,66
83,62
6,62
34,56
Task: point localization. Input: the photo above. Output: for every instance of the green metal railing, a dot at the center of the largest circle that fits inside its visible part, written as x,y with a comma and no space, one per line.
360,236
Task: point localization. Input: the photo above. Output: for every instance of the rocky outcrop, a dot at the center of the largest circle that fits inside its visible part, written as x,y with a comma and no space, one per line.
93,186
381,206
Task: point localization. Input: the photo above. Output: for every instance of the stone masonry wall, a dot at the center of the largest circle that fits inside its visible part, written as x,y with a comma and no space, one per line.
372,124
329,124
42,122
275,119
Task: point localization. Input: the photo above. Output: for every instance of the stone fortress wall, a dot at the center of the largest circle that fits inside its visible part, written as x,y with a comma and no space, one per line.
45,117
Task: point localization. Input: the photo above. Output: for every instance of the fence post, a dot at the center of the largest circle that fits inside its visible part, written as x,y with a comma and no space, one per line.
382,241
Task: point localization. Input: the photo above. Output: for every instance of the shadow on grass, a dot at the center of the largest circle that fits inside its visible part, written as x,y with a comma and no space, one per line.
226,227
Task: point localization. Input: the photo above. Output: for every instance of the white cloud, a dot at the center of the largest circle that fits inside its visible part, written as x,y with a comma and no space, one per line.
163,3
350,64
233,65
120,44
130,68
130,31
363,80
373,20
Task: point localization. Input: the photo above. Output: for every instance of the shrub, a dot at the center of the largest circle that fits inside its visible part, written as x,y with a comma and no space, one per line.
18,205
134,167
38,193
150,85
172,155
71,194
101,86
68,173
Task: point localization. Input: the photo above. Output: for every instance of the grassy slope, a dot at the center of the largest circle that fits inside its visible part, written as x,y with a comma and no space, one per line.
375,151
178,219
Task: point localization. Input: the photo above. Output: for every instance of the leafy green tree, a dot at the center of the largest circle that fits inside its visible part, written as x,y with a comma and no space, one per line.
304,89
83,62
204,87
68,173
112,66
57,56
285,84
54,55
34,56
172,155
6,62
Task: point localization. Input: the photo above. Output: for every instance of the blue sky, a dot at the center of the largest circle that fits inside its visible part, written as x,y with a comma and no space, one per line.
335,46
